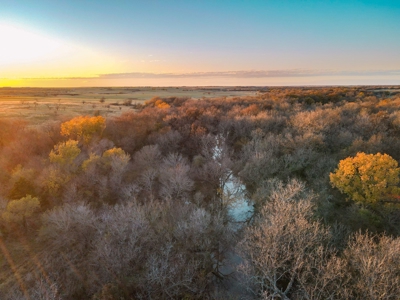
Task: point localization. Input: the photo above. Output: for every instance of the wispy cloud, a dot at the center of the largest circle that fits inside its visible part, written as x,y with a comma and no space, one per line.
238,74
252,74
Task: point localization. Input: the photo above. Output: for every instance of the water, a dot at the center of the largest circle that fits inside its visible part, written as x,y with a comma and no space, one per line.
240,208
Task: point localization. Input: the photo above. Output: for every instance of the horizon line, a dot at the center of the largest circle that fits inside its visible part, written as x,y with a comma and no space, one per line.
219,74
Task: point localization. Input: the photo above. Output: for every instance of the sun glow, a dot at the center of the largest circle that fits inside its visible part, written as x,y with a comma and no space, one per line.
19,45
26,53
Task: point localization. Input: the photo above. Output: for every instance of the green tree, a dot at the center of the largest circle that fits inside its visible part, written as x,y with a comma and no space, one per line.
368,178
17,211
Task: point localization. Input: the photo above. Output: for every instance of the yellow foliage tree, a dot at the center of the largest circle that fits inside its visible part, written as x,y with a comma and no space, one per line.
111,157
55,180
367,178
17,211
116,158
116,152
83,128
162,104
65,153
91,161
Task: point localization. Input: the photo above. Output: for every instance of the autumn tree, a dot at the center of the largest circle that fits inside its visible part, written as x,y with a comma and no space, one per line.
116,154
17,211
22,183
65,153
115,162
83,128
114,159
64,166
367,178
102,177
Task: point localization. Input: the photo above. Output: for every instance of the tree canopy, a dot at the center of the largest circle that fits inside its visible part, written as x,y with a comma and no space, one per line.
65,153
83,128
18,210
367,178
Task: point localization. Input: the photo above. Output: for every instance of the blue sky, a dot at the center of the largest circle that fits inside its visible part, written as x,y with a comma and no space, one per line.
108,37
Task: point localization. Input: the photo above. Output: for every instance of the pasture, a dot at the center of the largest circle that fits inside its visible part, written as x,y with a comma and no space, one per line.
37,105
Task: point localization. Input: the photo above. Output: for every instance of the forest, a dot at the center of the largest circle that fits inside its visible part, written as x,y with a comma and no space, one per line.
290,193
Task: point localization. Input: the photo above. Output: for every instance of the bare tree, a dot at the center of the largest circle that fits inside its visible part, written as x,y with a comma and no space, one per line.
148,182
174,177
373,266
285,252
147,157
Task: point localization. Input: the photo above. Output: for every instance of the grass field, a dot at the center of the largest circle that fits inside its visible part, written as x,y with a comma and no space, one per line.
40,104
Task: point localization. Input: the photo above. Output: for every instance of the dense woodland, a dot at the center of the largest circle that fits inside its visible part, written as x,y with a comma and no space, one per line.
135,206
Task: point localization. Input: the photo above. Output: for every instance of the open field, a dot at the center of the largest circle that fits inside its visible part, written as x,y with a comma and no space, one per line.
40,104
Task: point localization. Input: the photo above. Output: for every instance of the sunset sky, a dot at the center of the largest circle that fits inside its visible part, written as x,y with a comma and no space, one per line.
216,42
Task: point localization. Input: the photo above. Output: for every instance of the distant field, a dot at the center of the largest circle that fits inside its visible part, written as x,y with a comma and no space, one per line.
38,105
41,104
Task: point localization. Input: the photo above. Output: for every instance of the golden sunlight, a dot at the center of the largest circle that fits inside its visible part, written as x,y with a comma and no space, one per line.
20,45
26,53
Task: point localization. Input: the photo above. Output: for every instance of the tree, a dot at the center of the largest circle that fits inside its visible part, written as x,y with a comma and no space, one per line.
21,188
83,128
161,104
103,175
372,266
117,153
367,178
174,177
285,251
114,159
65,153
116,162
17,211
127,102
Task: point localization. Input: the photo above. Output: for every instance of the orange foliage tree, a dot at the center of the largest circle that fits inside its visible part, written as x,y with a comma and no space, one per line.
367,178
83,128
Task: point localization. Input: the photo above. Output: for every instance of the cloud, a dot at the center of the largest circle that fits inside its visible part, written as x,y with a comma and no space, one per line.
238,74
251,74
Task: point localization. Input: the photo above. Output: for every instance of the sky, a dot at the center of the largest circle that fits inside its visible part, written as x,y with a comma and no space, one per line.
199,42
